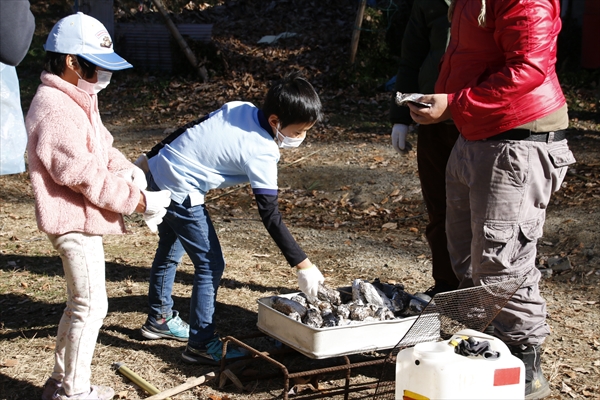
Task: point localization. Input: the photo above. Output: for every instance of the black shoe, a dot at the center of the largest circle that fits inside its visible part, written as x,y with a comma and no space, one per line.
439,287
536,385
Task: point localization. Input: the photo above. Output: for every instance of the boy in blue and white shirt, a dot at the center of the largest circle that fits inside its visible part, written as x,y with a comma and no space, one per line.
236,144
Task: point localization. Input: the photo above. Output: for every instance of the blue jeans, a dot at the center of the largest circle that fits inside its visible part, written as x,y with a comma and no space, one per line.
187,229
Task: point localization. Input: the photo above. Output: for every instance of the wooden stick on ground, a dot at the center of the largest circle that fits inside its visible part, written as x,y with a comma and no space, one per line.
183,387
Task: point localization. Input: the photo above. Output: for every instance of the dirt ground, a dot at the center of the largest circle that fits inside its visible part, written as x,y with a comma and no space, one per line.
351,201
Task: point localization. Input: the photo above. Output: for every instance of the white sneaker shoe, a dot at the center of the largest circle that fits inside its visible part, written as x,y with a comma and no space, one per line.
95,393
50,387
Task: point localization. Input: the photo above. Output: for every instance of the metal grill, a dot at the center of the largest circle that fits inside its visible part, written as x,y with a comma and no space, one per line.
472,308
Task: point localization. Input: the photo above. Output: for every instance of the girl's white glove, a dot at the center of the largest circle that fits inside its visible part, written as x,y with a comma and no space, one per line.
399,132
156,207
308,281
135,176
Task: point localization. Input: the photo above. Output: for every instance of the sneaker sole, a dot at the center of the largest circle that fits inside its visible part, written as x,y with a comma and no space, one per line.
157,335
203,361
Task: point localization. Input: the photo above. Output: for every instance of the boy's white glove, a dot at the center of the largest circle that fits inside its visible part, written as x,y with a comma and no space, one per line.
156,207
399,132
142,163
308,281
135,176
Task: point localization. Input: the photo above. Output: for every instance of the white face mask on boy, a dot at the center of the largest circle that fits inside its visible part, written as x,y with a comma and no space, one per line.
286,142
94,88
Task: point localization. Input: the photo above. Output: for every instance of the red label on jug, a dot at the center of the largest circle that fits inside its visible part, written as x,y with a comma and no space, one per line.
507,376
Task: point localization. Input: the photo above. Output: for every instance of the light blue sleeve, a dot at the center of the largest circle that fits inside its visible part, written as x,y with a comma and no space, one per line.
13,136
262,174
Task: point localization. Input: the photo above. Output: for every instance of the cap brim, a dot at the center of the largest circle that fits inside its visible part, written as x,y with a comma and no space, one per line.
109,61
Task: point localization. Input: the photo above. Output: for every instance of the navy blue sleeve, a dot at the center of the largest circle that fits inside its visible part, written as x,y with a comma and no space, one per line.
268,208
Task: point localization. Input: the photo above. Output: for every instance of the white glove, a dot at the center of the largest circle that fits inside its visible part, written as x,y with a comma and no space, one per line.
154,220
135,176
142,163
308,281
138,177
156,207
399,132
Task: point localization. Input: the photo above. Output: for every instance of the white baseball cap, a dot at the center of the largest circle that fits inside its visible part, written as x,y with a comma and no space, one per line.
86,37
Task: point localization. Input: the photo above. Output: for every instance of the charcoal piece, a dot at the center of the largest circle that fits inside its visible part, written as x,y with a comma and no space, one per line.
329,319
383,314
300,299
294,315
288,306
329,295
399,302
360,313
415,306
388,289
345,294
370,294
323,305
343,311
387,302
313,318
357,295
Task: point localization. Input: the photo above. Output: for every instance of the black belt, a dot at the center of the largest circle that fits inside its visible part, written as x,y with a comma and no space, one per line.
526,134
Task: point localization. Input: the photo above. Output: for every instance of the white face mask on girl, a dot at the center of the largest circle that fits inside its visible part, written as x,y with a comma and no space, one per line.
286,142
94,88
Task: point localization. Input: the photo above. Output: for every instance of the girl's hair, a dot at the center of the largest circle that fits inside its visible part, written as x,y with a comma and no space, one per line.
55,63
293,100
480,18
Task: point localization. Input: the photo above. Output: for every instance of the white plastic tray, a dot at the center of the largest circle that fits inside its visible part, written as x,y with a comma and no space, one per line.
335,341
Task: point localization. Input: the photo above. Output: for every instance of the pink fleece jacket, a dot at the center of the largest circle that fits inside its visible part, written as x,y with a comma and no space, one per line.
72,163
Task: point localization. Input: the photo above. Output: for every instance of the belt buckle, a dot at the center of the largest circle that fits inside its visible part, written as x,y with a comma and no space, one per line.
550,138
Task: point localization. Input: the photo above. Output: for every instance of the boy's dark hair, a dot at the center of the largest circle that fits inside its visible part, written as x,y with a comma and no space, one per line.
55,64
293,100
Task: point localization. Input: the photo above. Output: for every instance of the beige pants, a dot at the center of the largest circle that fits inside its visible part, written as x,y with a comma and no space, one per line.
497,194
87,304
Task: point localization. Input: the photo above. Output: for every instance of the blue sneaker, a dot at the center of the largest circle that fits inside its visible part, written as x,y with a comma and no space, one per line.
171,328
211,352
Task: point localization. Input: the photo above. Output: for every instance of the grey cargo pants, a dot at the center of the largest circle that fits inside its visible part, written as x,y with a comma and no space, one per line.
497,195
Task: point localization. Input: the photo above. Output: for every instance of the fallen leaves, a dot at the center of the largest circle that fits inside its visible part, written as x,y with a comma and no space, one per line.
389,226
11,362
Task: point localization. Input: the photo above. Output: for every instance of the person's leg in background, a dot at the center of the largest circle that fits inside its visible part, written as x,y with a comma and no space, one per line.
434,145
458,216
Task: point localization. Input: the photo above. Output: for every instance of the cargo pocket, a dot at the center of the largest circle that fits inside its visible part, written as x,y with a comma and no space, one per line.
498,245
561,157
525,248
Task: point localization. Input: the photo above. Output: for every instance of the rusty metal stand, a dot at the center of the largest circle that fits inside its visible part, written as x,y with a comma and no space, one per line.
267,356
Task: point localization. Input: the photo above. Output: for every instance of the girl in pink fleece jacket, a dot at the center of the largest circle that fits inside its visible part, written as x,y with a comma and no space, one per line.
82,186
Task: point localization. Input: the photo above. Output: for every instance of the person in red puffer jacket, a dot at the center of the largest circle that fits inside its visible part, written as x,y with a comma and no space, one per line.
498,83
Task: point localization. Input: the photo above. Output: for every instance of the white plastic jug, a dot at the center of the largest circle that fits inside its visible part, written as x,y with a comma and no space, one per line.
433,370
